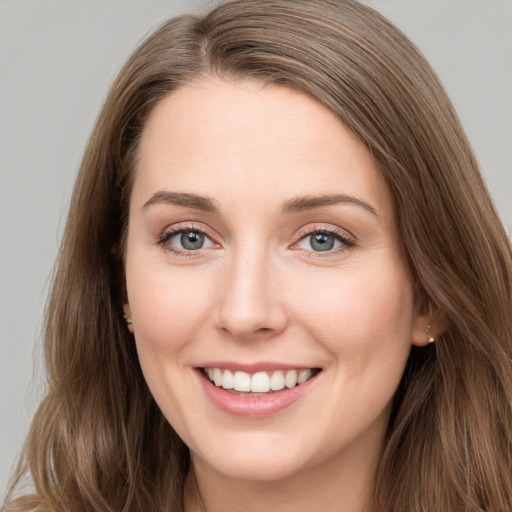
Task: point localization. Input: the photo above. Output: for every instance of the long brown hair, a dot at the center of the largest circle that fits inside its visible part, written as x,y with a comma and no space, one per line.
98,440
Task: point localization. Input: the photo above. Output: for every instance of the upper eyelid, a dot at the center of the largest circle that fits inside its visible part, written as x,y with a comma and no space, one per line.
317,228
187,226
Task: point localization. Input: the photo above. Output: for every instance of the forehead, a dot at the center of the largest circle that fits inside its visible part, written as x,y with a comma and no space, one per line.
258,141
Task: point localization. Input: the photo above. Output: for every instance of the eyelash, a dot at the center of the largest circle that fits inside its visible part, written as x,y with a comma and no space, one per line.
163,239
346,241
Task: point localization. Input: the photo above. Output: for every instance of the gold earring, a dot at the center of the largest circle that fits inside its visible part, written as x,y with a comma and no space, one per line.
431,339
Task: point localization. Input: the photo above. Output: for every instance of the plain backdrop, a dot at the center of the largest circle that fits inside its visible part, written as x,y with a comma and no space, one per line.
57,59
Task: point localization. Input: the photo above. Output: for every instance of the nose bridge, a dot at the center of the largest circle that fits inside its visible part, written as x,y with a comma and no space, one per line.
249,302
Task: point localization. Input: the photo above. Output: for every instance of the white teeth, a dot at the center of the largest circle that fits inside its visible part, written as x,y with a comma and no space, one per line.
227,380
291,378
260,382
217,376
303,376
242,381
277,381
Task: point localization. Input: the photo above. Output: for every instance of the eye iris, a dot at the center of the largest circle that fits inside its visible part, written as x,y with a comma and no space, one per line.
322,242
192,240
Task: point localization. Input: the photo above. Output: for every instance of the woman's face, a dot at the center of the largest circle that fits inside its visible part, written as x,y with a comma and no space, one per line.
262,250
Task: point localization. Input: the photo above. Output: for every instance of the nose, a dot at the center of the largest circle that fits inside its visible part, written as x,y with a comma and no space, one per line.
250,299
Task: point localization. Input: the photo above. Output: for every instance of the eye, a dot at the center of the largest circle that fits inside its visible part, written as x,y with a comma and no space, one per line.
325,241
184,240
189,240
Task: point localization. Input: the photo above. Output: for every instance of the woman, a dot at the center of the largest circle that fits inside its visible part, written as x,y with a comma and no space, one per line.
282,284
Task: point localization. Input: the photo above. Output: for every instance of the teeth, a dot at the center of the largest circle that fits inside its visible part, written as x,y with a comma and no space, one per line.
228,380
277,381
303,376
241,381
217,376
291,379
260,382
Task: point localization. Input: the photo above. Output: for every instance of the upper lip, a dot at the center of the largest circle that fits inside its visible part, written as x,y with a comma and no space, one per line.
255,367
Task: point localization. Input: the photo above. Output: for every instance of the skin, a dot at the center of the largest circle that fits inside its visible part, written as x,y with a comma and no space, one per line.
258,291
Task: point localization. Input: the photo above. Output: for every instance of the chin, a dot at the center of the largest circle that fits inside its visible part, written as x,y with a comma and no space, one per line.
270,469
262,459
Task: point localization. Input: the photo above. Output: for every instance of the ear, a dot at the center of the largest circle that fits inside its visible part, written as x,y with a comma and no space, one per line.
428,323
128,317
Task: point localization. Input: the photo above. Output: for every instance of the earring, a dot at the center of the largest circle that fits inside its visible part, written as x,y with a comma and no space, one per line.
128,318
431,339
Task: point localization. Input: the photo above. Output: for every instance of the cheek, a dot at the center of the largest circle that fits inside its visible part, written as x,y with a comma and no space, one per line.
365,323
168,305
360,305
168,310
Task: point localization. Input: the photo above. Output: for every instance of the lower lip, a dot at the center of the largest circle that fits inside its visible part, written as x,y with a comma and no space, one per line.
247,406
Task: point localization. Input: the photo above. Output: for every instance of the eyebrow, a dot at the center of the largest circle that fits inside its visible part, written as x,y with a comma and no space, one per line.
301,204
194,201
294,205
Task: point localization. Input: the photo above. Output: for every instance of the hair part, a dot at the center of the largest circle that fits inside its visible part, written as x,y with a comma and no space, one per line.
99,441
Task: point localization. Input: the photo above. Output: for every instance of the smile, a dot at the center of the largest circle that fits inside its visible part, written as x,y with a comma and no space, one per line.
258,393
259,382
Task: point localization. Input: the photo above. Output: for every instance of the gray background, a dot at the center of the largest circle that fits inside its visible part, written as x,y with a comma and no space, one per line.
57,59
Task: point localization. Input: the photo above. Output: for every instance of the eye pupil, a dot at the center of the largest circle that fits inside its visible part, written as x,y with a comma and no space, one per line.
322,242
192,240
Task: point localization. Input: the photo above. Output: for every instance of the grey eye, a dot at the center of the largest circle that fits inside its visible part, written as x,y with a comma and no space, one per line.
322,241
192,240
188,240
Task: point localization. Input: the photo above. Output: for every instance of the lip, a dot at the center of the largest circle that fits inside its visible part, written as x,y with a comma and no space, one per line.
246,406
